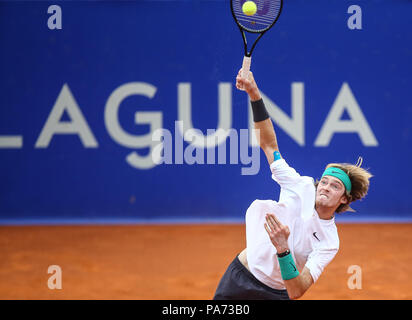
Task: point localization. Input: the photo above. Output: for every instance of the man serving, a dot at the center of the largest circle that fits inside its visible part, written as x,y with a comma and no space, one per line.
292,240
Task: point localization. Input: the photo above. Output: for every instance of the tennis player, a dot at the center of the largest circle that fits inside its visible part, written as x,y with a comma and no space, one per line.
290,241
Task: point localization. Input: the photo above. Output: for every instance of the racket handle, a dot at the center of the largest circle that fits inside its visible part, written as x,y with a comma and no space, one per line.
246,68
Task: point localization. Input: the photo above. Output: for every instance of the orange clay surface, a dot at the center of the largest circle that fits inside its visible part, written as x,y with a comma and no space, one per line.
184,261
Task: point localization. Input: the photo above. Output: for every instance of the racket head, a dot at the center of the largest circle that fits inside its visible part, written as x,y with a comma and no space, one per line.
268,12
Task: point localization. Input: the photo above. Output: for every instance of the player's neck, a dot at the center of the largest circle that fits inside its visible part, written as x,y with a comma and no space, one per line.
325,213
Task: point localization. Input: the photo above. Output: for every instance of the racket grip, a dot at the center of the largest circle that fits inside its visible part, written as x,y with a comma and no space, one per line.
246,68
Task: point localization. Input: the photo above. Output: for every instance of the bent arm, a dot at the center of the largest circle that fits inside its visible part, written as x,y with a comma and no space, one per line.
296,283
296,287
265,133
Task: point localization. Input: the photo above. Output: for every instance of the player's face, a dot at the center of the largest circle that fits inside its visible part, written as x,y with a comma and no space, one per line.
330,192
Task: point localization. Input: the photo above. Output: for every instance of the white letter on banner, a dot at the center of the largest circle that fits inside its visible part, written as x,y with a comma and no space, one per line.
154,119
294,126
66,102
15,142
358,123
225,115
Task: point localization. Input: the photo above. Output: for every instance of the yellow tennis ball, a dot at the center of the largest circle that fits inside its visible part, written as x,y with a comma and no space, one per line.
249,8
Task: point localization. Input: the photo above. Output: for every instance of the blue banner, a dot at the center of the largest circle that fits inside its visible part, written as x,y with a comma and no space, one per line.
127,110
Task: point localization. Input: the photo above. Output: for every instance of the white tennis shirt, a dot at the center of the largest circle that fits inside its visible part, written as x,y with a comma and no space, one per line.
313,242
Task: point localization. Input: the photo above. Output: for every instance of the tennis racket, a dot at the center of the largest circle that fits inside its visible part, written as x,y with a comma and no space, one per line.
268,12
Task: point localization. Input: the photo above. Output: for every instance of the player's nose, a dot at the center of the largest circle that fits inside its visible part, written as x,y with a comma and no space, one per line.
325,189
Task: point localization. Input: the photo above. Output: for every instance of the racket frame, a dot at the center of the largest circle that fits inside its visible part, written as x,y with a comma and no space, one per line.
248,54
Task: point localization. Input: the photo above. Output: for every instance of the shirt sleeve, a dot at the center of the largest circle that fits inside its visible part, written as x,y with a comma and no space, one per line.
297,192
283,174
318,260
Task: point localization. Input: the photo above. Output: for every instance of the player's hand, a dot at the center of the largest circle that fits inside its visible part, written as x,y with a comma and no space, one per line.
278,233
249,85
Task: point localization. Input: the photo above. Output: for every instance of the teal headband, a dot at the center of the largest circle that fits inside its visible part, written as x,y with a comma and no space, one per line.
341,175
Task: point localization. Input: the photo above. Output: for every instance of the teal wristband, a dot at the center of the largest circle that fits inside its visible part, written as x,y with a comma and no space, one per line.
288,268
276,155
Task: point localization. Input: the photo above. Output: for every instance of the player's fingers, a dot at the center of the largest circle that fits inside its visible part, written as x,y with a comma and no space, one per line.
243,81
268,229
249,77
271,223
276,221
281,228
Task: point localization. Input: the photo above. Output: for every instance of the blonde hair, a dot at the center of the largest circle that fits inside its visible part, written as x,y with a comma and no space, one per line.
360,182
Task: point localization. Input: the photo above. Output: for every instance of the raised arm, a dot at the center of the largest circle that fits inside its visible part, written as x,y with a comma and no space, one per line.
267,138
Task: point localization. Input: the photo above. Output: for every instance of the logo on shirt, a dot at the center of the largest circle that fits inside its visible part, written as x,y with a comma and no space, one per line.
314,234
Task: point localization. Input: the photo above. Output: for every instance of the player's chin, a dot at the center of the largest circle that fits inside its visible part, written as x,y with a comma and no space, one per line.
321,201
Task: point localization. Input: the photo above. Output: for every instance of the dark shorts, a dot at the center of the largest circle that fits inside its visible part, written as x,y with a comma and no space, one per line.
239,284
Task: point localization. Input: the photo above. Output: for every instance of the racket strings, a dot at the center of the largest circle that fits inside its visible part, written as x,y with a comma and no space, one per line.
267,13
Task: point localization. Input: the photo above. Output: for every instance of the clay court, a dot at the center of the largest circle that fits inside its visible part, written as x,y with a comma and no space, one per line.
165,262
